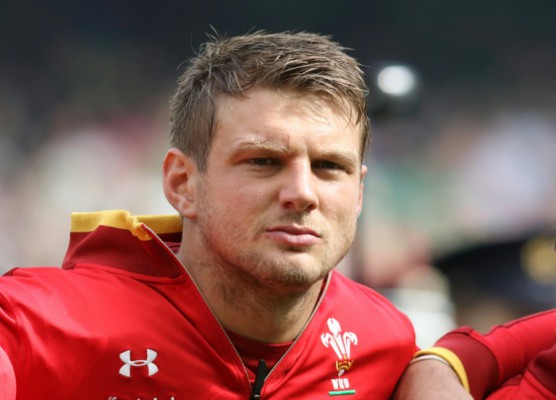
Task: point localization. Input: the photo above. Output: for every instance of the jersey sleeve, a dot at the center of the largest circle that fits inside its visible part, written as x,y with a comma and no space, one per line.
7,377
503,353
536,383
9,345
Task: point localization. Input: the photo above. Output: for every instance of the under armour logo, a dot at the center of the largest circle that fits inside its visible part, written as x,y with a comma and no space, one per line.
125,370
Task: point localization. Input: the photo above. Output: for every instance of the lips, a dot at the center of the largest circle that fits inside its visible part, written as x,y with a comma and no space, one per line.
293,235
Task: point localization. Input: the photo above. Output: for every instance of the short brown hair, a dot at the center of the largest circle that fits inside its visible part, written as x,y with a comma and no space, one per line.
307,62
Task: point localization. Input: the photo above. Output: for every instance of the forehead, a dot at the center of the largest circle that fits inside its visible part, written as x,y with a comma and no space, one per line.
270,112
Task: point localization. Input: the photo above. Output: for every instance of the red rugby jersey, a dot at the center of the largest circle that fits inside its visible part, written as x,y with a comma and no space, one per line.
516,360
122,320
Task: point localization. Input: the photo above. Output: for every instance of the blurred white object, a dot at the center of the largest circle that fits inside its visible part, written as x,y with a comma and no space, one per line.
396,80
431,312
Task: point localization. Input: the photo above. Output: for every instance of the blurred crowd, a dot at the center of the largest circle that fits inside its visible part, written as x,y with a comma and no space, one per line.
460,169
452,212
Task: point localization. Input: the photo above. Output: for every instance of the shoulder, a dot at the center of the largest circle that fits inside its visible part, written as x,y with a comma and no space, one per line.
50,290
345,288
20,282
39,290
364,303
18,279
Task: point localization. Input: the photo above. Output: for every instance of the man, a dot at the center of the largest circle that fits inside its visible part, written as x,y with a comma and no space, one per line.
236,297
516,360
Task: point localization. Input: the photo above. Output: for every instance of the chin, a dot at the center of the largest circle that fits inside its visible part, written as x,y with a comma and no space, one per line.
297,278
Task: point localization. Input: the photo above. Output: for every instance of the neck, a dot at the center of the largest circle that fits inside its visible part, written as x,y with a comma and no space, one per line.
244,306
269,317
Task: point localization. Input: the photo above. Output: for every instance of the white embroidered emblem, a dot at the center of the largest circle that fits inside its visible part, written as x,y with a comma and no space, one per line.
340,343
125,356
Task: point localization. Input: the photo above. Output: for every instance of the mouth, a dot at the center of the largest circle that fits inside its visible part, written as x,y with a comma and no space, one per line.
294,235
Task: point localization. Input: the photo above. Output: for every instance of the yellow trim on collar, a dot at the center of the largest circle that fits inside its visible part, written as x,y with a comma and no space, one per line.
121,219
451,358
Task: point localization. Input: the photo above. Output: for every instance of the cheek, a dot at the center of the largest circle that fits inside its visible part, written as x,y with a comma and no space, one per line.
341,219
346,218
345,202
233,205
247,197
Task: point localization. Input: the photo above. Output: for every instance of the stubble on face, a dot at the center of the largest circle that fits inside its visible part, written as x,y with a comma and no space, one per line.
251,264
241,206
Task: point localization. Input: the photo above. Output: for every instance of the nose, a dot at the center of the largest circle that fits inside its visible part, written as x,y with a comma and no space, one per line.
298,191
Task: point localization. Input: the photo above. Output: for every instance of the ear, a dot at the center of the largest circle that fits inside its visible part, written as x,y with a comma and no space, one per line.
179,179
361,190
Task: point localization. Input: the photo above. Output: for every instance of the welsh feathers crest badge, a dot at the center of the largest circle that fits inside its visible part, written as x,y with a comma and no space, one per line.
341,343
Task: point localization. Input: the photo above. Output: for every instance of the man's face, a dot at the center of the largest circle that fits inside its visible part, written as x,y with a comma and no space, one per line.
279,200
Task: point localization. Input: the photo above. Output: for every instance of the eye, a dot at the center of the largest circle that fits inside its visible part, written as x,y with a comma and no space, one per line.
324,164
263,161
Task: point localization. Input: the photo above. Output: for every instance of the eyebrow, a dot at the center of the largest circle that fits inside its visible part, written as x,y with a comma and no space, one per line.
258,144
343,156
